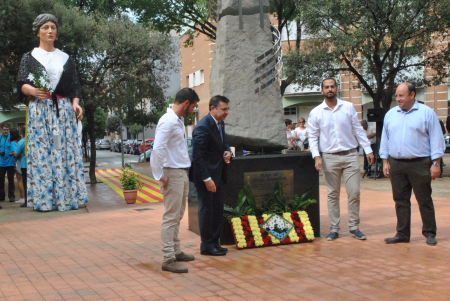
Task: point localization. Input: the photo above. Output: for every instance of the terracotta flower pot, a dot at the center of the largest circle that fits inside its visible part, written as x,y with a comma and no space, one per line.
130,196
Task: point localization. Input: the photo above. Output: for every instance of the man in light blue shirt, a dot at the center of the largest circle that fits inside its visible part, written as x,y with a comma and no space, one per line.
6,165
19,152
411,148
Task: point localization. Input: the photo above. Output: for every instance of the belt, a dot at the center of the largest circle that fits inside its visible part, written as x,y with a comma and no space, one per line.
182,168
410,159
343,153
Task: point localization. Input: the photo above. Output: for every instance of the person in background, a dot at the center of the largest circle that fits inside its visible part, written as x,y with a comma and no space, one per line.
301,133
442,159
14,137
19,152
6,164
412,146
290,138
372,136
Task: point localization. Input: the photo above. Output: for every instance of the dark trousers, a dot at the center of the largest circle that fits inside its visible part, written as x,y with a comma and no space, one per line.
210,215
405,177
366,163
10,171
24,182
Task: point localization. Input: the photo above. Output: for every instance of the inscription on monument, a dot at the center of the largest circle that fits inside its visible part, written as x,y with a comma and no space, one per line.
263,182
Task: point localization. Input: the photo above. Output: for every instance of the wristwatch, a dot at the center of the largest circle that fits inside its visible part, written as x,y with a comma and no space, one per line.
436,164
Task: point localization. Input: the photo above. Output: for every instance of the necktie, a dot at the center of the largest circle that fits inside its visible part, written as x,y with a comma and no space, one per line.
220,131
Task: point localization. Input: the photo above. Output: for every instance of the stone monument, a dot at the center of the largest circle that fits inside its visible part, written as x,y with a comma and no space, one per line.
245,69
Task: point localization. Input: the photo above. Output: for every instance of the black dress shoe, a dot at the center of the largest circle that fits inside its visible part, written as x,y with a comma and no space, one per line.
213,252
431,241
395,240
222,249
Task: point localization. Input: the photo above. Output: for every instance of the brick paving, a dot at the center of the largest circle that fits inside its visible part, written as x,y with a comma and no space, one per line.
115,255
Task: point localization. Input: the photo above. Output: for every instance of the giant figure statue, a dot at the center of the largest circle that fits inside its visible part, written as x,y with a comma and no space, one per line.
245,67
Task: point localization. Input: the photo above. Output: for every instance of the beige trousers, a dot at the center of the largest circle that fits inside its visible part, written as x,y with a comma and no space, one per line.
174,195
333,167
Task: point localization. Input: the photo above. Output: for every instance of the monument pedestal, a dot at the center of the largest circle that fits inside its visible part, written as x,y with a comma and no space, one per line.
296,172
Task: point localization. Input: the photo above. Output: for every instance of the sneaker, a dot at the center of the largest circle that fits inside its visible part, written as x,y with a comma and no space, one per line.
174,267
332,236
358,234
20,201
184,257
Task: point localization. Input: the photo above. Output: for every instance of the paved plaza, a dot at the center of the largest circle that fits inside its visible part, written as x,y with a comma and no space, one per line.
113,253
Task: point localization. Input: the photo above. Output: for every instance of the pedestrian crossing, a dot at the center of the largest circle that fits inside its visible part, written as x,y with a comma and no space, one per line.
150,192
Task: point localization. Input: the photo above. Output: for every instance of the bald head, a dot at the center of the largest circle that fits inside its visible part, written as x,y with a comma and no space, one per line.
405,96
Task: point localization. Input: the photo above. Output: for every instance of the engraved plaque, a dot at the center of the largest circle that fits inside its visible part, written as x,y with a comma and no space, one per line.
263,182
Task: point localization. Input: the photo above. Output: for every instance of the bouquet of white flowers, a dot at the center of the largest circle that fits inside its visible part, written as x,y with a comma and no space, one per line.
41,80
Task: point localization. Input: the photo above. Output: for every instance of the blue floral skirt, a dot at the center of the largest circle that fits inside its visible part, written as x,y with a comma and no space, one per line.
54,163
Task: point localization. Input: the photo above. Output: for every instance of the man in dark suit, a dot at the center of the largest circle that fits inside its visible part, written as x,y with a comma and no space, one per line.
211,154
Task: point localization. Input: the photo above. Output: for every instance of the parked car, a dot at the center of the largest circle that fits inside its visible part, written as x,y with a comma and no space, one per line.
102,144
113,144
128,148
118,146
136,144
148,144
149,152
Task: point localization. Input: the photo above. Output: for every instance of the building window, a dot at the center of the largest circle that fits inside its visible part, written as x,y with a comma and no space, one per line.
196,79
191,80
290,111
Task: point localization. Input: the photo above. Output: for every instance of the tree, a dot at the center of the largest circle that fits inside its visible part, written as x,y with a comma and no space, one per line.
109,51
99,127
135,128
113,124
385,41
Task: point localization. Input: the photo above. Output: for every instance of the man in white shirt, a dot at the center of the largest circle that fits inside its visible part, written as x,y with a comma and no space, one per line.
335,131
170,162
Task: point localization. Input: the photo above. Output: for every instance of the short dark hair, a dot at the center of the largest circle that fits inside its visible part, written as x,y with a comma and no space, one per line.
411,88
287,122
6,125
14,135
22,131
335,82
216,100
186,94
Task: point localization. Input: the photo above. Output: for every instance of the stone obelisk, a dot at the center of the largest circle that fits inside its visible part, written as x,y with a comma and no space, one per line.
256,119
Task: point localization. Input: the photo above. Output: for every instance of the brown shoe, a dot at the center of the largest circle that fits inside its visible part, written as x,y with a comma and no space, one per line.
174,267
23,205
184,257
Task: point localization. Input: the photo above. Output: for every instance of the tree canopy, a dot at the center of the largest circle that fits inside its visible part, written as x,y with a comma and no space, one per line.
123,66
380,42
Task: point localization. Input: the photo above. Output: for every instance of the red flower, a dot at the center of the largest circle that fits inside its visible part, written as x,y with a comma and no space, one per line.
251,239
262,231
294,212
303,232
246,233
244,223
249,244
261,221
269,237
301,225
298,231
244,218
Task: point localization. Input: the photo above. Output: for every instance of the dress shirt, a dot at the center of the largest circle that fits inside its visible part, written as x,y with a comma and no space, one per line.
412,134
170,146
53,63
332,131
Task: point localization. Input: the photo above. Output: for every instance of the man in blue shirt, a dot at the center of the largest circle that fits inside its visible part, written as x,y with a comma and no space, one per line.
6,165
412,145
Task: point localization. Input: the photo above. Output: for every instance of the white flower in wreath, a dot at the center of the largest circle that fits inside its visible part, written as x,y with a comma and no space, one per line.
31,77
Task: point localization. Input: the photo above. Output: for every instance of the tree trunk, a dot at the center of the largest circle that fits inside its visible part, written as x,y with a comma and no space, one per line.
89,112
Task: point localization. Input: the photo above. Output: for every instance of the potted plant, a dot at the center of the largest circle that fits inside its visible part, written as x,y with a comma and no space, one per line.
130,185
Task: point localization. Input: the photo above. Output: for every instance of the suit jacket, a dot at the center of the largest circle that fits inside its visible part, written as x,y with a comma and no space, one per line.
207,154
